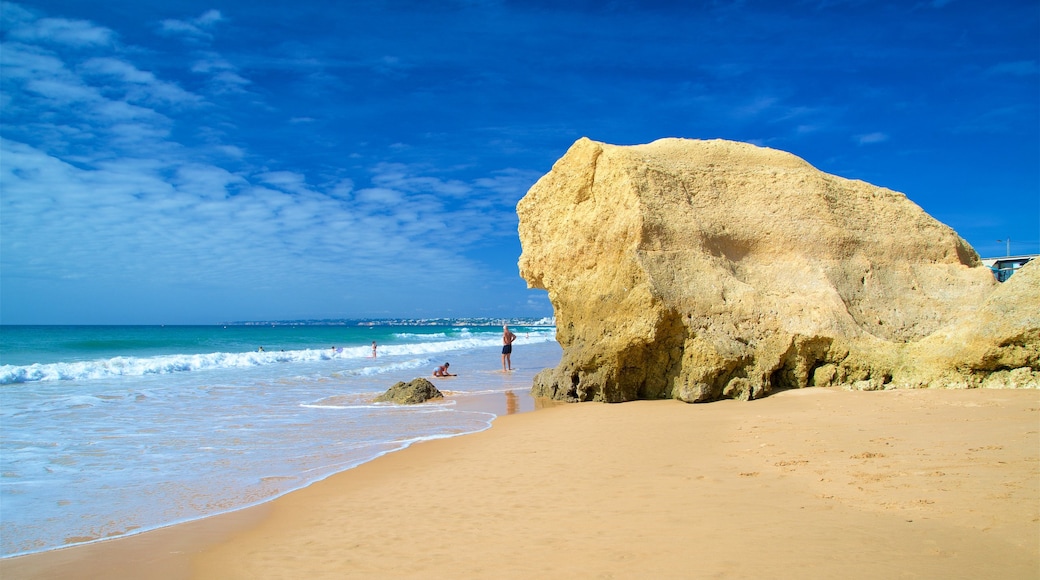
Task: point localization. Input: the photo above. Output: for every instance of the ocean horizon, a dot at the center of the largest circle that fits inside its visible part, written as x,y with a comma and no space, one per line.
114,430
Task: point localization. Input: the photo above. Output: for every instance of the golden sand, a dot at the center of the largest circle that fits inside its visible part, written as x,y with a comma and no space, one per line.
816,483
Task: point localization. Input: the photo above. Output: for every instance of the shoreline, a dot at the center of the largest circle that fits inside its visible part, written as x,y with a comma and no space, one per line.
191,534
262,442
817,483
125,552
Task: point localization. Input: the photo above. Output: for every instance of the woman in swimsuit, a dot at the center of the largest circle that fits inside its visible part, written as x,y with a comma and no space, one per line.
442,371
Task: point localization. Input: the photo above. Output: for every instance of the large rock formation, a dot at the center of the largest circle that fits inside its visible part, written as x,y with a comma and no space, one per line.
708,269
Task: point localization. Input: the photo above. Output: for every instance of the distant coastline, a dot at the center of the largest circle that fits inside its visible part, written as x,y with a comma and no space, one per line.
463,321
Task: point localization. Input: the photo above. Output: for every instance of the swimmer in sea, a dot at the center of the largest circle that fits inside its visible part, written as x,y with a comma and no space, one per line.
442,371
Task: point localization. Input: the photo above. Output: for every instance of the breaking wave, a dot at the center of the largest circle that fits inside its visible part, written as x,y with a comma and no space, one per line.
177,363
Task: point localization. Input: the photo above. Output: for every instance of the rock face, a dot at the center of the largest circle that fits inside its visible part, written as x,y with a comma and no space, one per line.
701,270
413,392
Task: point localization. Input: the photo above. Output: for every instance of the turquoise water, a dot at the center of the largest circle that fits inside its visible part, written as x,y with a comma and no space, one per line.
114,430
23,345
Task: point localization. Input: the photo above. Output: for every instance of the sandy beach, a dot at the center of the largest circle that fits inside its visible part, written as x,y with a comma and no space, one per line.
815,483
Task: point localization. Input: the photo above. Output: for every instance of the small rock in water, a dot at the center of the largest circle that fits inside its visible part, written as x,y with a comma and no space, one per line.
413,392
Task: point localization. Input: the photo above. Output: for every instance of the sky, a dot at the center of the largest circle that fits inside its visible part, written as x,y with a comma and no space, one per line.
199,162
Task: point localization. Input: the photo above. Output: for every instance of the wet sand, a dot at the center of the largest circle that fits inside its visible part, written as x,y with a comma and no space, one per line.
817,483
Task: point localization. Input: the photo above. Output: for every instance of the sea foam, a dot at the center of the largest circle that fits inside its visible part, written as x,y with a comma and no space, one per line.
176,363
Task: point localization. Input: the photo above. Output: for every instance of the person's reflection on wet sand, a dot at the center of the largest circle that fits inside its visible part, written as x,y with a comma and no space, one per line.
511,403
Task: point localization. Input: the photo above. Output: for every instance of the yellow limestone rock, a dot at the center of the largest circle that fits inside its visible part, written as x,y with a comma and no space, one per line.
701,270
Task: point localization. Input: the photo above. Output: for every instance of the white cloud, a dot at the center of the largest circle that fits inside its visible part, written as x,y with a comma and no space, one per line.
342,189
100,188
12,15
127,218
287,181
228,81
209,18
109,110
139,85
192,28
118,69
381,197
101,102
63,92
399,176
180,27
223,75
755,107
77,33
870,138
22,61
205,181
210,64
131,135
231,151
512,184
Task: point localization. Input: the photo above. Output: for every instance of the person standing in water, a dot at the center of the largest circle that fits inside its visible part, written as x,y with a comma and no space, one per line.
373,349
507,348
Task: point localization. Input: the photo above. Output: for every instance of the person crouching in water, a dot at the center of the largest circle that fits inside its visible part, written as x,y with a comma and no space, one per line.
442,371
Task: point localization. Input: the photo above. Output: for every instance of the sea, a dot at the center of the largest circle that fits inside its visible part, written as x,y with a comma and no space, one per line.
107,431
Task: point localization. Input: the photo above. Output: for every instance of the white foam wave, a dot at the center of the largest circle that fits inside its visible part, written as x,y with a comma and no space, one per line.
462,332
461,344
140,366
166,364
380,369
367,407
406,335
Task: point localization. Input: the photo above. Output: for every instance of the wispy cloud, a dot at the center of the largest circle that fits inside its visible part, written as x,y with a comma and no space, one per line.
287,181
755,107
352,151
198,28
184,220
224,77
136,203
107,102
871,138
140,86
22,26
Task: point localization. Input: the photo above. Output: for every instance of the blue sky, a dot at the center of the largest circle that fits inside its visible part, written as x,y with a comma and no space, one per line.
205,161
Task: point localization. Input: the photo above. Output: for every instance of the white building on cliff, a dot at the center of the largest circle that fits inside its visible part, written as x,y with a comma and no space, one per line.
1005,266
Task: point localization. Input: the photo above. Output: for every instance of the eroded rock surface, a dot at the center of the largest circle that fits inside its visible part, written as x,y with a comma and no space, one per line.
708,269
